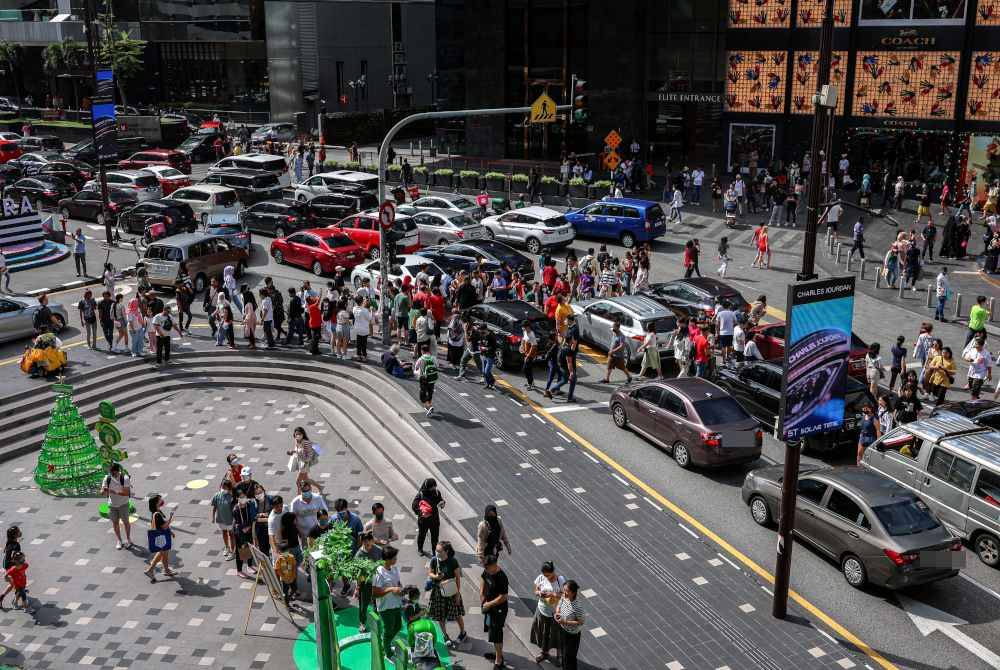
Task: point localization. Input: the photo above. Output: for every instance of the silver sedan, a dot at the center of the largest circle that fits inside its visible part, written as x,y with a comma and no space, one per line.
17,317
444,226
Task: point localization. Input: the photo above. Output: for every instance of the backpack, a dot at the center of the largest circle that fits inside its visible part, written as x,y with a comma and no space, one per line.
168,324
285,568
429,371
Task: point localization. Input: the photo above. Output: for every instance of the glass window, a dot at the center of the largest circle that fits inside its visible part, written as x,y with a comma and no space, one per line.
630,212
811,490
988,487
939,464
599,310
717,411
777,332
612,210
843,506
906,517
650,394
295,239
673,403
309,241
8,306
962,473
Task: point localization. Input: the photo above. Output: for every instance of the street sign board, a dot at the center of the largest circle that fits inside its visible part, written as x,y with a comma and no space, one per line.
612,160
613,139
543,109
387,214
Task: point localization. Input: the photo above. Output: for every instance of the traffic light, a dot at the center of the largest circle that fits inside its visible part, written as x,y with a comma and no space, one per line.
581,109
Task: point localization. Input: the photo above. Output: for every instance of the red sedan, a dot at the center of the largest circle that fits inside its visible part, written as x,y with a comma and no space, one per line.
170,178
319,249
770,339
169,157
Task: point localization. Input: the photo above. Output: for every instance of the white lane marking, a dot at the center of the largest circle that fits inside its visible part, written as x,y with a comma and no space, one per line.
767,591
982,586
826,635
728,561
540,419
653,504
575,408
688,531
516,402
565,439
591,458
71,284
619,479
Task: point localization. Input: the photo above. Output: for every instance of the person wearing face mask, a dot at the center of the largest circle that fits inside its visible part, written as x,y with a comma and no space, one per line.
427,505
490,535
244,518
263,503
304,507
159,521
380,528
321,528
387,587
222,516
274,526
371,551
352,521
304,455
544,629
446,592
247,486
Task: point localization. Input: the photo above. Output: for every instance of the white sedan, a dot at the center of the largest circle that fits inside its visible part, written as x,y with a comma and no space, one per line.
407,265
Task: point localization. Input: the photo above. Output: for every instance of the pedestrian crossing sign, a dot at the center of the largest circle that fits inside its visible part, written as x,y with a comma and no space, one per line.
612,160
543,109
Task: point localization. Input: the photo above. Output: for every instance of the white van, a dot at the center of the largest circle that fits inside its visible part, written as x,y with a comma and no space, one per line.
207,200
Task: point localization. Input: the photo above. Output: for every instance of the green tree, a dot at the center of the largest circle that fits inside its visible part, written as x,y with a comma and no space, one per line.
10,57
123,53
66,57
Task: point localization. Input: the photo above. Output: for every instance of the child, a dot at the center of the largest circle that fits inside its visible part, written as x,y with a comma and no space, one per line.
723,256
17,577
412,609
13,547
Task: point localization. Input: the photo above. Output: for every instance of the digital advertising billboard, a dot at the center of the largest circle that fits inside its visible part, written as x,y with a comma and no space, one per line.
103,115
818,347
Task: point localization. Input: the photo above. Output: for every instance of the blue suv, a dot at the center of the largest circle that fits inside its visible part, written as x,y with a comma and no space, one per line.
624,219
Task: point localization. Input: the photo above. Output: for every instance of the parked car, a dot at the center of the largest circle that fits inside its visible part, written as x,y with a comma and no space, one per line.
452,201
336,181
877,531
984,412
145,184
954,465
206,257
9,174
206,200
277,132
255,161
320,250
132,220
504,318
10,150
624,219
41,192
757,386
697,296
9,137
532,227
366,231
199,148
170,178
230,228
276,217
76,173
453,264
42,143
770,339
492,252
406,265
442,226
596,316
168,157
334,206
251,186
697,422
17,317
31,163
9,106
86,205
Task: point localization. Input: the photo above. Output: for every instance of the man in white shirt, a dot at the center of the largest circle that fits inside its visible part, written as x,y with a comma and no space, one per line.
942,286
164,323
118,487
274,526
832,217
387,587
697,178
751,352
725,321
362,326
304,507
980,367
267,316
843,166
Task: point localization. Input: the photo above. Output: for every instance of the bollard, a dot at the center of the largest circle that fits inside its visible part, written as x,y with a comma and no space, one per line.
864,265
989,309
930,292
847,265
958,305
829,241
840,248
902,285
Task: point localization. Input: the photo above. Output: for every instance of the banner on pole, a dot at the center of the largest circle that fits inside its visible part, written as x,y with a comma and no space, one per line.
103,116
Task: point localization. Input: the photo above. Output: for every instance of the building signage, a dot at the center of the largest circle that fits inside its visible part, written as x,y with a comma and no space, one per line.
907,38
710,98
898,123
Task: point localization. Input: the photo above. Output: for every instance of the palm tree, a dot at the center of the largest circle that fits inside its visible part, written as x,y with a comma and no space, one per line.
66,57
10,55
124,54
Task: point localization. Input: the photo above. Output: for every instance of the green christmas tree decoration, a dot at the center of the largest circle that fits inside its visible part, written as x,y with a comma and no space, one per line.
70,463
110,436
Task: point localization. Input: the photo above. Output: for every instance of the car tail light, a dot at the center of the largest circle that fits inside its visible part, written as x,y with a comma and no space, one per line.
514,339
242,236
113,206
547,232
168,220
49,193
649,226
291,219
711,439
460,234
758,437
956,545
639,338
898,558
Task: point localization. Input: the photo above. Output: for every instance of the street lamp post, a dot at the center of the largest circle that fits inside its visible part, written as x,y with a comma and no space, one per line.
89,16
433,79
383,157
793,448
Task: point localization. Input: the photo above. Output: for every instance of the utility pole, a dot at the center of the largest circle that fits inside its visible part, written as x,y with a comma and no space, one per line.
89,16
789,484
383,157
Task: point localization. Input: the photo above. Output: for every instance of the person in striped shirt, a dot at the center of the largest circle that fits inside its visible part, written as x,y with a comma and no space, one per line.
570,617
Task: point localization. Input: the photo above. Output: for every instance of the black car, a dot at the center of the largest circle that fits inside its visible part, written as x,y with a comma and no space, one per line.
277,217
696,296
330,208
84,151
86,205
200,147
31,163
251,186
41,143
132,221
504,318
9,173
757,386
491,252
40,191
983,411
77,173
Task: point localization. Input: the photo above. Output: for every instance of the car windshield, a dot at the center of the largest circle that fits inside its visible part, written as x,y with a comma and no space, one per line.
190,142
432,270
80,146
498,250
463,221
464,203
555,222
665,324
334,241
162,253
148,181
905,517
654,213
265,181
718,411
224,228
170,172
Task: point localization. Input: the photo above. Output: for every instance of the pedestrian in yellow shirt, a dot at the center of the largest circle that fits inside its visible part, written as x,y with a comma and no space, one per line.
941,374
563,312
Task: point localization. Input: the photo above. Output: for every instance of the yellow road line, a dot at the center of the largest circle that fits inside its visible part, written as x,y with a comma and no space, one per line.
776,313
594,354
690,520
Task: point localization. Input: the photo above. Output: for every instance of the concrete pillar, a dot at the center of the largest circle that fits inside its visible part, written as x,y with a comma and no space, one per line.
930,292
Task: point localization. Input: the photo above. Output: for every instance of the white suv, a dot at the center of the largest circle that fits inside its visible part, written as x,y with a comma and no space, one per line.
532,227
142,183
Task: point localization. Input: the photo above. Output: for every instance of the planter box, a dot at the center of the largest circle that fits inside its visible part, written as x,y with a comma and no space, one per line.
470,182
551,189
394,177
519,187
580,191
420,177
496,184
597,192
444,181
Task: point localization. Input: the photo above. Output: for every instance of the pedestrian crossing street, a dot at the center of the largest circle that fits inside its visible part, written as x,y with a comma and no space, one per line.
707,228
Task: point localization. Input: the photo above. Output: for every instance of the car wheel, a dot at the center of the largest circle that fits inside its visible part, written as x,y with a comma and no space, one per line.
490,234
628,240
59,323
534,246
854,571
442,242
279,257
65,212
357,282
373,253
682,455
241,269
317,269
760,512
301,197
619,416
987,547
204,220
200,282
279,232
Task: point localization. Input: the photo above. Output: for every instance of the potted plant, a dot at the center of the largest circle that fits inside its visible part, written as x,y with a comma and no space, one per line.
470,178
519,183
420,174
394,172
550,185
577,188
496,181
600,188
443,177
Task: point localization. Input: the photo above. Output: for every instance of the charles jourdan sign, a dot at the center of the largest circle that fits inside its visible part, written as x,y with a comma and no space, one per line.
709,98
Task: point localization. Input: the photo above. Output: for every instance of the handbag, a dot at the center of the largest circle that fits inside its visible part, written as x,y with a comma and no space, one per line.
449,587
293,462
244,552
158,540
